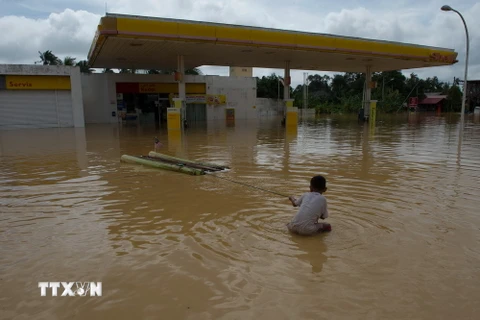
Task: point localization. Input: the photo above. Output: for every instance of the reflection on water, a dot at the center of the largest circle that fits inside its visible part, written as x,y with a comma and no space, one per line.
405,239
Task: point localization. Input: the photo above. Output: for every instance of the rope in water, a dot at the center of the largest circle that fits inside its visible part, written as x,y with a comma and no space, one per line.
248,185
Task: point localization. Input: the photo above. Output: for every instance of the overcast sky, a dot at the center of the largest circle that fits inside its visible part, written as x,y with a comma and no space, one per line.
67,27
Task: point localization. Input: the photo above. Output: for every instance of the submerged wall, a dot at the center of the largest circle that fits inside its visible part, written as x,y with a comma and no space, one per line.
25,103
269,107
100,97
241,93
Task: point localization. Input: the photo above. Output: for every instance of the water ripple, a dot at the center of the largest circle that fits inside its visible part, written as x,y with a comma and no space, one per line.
402,207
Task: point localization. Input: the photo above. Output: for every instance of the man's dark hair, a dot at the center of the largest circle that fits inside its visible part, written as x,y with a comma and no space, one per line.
318,183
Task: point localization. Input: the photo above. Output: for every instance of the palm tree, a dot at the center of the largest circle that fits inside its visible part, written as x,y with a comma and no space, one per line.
158,71
194,71
83,65
48,58
69,61
128,70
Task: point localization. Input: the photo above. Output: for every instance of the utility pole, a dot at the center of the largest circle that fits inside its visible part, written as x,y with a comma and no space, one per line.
307,89
279,79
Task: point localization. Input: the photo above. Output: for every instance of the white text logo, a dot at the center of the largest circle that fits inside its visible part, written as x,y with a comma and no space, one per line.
71,289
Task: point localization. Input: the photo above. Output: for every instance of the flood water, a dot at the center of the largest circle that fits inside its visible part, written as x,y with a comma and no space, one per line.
404,209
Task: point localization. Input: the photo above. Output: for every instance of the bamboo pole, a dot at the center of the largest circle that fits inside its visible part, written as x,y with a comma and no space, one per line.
162,165
164,156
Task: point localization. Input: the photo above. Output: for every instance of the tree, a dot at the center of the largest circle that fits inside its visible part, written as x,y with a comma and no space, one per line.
343,93
128,71
69,61
454,99
48,58
339,85
194,71
267,87
83,65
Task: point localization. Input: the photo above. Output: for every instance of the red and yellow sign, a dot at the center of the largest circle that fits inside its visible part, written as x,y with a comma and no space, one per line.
216,99
38,83
148,88
438,57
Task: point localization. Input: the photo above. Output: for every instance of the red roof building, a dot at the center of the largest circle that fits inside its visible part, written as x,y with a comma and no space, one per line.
433,102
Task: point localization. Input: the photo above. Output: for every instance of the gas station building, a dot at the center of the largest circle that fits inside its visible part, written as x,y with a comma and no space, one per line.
134,42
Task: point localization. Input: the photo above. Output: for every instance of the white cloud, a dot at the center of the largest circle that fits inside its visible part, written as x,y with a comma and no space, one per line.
70,31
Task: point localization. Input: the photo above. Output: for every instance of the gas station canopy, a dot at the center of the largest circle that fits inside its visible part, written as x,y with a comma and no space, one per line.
133,42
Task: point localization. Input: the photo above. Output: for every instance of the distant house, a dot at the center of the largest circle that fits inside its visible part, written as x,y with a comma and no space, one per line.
434,101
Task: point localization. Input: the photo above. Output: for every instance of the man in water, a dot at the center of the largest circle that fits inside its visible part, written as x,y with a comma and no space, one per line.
313,206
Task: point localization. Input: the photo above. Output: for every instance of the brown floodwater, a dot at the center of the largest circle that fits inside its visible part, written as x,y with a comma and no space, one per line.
404,207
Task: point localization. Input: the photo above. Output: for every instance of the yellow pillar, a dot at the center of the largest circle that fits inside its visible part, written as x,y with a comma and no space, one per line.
173,118
177,102
175,142
373,111
373,115
291,114
291,133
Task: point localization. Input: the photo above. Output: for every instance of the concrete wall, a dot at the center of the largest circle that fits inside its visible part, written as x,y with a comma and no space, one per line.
38,70
270,107
77,97
35,70
241,72
306,112
241,94
96,100
100,98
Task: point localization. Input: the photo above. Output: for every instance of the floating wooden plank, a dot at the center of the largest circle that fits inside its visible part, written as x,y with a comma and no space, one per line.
186,161
162,165
182,163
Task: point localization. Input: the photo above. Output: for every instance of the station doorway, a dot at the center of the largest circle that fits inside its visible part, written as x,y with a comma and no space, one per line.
196,112
147,103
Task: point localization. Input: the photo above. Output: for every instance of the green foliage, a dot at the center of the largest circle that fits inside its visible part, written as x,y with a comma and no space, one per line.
343,93
83,65
270,87
128,71
69,61
48,58
194,71
454,99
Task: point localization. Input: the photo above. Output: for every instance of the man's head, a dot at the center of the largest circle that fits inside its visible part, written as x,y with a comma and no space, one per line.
318,184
